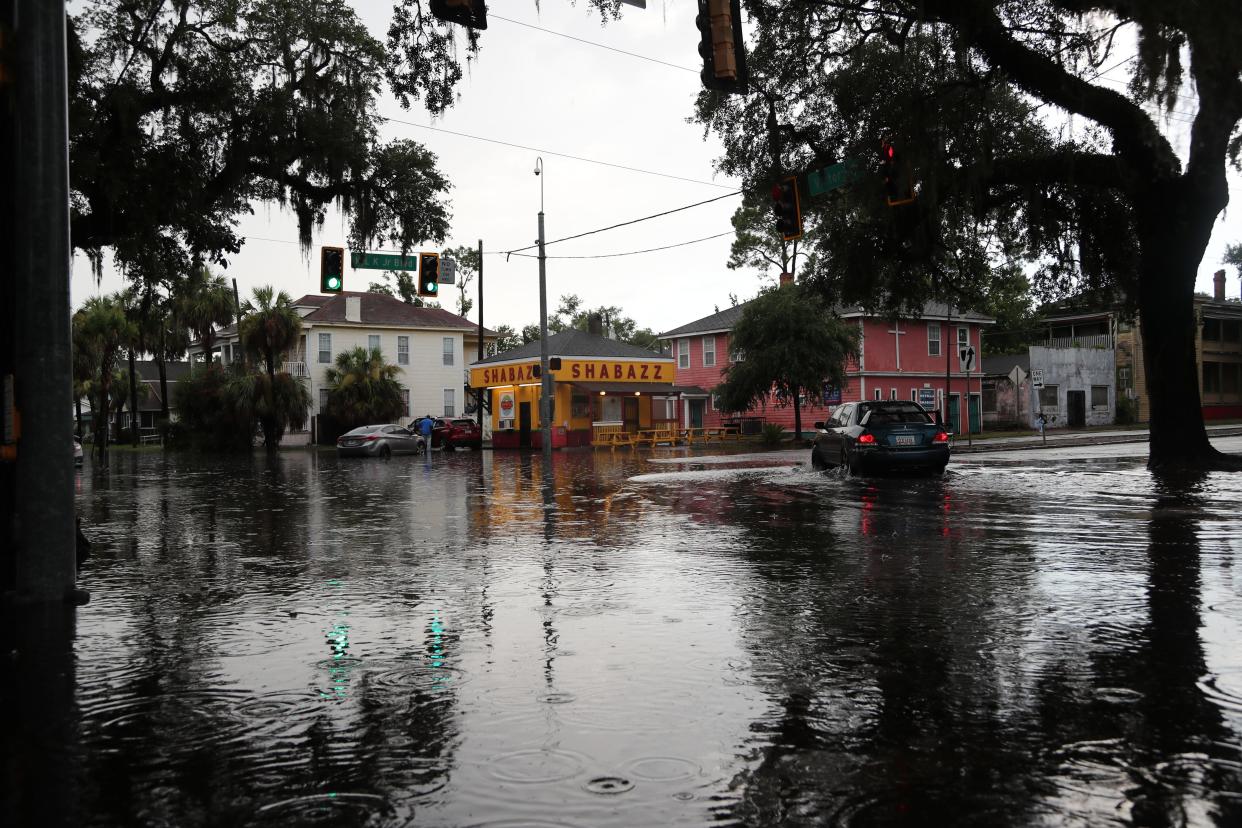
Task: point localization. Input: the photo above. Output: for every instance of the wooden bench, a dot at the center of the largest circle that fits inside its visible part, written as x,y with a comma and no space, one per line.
654,436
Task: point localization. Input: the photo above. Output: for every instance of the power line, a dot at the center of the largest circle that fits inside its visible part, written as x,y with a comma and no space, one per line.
593,43
618,255
554,153
624,223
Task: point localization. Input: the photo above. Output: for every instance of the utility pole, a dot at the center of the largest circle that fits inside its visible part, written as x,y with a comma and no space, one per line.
948,362
545,379
482,391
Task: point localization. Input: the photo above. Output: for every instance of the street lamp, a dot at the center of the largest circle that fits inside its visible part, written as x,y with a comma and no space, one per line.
545,377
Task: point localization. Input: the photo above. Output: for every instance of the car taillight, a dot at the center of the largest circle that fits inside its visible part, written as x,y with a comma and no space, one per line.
942,437
371,437
866,438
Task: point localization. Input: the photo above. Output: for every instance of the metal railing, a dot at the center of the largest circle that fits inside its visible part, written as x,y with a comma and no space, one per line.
1091,341
295,369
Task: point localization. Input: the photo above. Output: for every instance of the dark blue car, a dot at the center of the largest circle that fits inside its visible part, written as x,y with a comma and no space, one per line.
880,436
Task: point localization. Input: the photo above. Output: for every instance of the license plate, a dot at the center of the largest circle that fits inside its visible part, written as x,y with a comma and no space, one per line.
349,442
904,439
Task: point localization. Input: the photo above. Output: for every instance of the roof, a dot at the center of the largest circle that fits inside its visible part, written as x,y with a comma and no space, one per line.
1002,364
720,321
725,320
575,343
381,309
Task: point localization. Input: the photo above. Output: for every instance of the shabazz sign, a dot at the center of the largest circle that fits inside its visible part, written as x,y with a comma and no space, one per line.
579,370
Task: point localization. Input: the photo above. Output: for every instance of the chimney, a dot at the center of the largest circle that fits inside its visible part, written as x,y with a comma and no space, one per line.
595,324
353,308
786,279
1219,280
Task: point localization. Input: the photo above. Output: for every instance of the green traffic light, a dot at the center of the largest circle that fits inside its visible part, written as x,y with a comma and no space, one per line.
334,282
433,287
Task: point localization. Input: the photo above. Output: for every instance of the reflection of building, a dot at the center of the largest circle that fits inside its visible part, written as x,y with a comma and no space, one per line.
599,382
910,359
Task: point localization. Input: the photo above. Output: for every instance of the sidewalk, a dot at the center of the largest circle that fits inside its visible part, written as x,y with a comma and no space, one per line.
1059,437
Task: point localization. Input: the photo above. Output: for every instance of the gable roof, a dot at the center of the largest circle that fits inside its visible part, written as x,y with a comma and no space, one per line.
575,343
720,321
380,309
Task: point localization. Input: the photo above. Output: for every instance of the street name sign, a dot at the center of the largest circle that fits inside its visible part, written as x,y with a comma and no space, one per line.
828,179
382,261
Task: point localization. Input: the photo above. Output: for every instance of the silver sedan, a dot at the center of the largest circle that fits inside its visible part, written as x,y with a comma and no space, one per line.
379,441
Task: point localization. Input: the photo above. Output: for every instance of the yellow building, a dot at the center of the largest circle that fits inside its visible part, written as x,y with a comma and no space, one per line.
596,383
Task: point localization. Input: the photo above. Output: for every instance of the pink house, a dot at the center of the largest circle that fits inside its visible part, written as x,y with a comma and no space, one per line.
915,359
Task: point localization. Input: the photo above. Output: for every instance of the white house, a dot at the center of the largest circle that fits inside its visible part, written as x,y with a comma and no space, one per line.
429,346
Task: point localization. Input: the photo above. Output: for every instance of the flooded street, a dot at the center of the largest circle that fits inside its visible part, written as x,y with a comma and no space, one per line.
471,640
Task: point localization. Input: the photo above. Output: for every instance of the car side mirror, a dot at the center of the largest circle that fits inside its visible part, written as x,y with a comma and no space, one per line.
820,425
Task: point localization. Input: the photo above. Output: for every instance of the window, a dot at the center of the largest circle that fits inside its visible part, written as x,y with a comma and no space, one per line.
1231,331
876,393
403,350
933,339
373,342
709,351
715,402
450,409
1048,396
683,353
1099,397
892,393
325,348
448,351
1229,377
323,400
405,402
963,338
988,396
1211,378
1211,330
737,355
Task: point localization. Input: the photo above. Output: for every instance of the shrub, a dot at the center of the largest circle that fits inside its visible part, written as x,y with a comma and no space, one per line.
1127,410
773,433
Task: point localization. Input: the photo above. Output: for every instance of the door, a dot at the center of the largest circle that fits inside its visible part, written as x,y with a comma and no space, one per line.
955,414
975,415
629,413
524,425
696,413
1076,403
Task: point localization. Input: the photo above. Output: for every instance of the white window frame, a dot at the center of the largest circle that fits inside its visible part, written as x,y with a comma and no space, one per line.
963,337
709,351
683,353
323,400
325,353
892,393
933,341
876,393
405,401
449,348
378,343
450,403
403,350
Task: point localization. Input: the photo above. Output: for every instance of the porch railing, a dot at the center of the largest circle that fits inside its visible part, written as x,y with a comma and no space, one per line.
1092,341
295,369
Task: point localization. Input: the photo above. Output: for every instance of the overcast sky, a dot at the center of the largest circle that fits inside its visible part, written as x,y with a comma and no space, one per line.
554,97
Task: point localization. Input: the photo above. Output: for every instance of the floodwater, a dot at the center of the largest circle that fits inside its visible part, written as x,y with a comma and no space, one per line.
466,640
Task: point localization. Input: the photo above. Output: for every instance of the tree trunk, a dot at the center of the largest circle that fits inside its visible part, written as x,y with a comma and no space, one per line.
163,366
1175,222
797,415
133,401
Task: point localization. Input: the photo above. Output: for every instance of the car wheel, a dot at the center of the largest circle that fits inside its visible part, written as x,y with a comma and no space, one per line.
385,452
817,460
448,445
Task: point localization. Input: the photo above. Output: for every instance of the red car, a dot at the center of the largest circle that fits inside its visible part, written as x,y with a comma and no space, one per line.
449,434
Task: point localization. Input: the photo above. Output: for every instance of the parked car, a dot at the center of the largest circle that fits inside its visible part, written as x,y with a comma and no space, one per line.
880,435
77,450
462,431
379,441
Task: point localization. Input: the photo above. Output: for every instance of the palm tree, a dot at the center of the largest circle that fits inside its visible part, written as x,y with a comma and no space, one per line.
270,326
206,304
364,389
269,329
101,329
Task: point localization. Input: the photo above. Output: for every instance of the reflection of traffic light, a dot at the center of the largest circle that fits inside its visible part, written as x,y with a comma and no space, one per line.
331,269
898,186
428,274
472,13
788,211
722,46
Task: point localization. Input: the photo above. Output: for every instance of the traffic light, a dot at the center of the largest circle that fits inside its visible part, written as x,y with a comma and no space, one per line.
788,210
898,186
472,13
331,269
722,46
428,274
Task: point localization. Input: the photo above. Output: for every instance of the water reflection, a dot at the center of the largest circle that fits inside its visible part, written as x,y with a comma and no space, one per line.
478,639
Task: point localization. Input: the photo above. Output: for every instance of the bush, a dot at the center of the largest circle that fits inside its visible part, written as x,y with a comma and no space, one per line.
1127,410
773,433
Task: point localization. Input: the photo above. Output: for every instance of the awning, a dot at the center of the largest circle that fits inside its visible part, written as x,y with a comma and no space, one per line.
658,389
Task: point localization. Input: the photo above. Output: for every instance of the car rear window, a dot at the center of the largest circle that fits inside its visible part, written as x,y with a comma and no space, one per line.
464,423
364,430
890,414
